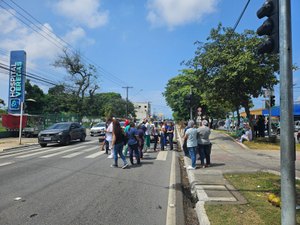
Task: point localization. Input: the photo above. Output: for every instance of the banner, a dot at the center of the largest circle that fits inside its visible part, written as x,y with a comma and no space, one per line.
16,91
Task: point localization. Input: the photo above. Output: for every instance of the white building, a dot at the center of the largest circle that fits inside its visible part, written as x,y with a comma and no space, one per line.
142,110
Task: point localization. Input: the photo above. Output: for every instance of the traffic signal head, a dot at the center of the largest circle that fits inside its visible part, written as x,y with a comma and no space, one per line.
272,101
188,99
270,27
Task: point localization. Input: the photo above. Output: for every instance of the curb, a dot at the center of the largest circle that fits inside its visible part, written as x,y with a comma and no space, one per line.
241,144
17,147
196,190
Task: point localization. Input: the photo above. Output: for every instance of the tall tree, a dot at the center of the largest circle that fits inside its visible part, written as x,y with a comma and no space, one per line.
236,72
177,89
35,93
58,100
81,80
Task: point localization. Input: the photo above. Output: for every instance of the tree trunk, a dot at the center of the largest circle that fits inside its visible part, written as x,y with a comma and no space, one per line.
238,117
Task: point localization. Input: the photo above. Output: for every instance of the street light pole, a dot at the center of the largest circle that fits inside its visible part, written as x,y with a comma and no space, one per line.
21,121
127,100
21,117
287,140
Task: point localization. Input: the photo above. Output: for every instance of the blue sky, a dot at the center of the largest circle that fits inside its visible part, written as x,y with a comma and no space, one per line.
136,43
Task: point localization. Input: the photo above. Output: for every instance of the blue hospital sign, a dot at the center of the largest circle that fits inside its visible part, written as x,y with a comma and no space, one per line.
16,90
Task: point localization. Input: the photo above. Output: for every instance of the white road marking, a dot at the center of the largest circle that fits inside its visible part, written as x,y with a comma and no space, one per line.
79,153
162,155
95,155
42,152
61,152
171,210
20,153
6,163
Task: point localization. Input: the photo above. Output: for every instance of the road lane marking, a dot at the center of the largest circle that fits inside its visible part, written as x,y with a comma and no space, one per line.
42,152
6,163
92,156
19,153
171,210
79,153
61,152
162,155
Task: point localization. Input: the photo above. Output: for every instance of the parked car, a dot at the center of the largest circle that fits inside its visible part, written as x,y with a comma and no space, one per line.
62,133
98,129
296,127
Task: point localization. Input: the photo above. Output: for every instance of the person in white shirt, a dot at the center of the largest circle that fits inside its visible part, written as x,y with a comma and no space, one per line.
191,138
108,136
248,134
147,134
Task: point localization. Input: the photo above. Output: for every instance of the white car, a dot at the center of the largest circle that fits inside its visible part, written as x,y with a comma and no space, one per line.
98,129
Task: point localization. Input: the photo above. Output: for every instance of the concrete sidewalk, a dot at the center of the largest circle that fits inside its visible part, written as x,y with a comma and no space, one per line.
13,142
228,156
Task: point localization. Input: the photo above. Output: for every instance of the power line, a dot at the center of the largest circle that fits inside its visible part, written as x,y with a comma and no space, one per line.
2,66
107,75
240,17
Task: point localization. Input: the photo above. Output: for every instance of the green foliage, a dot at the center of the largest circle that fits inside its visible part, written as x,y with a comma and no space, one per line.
35,98
175,92
81,80
225,74
59,101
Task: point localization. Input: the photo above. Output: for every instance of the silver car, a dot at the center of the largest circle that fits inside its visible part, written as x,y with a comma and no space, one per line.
98,129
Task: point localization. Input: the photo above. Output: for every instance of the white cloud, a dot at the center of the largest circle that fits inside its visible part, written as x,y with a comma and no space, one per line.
173,13
38,47
85,12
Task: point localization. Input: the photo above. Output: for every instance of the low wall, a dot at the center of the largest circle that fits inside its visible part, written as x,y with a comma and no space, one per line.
6,134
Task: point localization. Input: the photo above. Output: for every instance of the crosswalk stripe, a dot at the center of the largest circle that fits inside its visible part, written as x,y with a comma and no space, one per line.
6,163
79,153
61,152
95,155
20,153
72,155
162,155
42,152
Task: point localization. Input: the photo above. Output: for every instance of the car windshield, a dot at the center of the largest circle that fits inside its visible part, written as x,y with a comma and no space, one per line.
59,126
100,125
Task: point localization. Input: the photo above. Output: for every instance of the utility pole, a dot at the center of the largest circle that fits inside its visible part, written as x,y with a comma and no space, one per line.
287,145
127,100
191,106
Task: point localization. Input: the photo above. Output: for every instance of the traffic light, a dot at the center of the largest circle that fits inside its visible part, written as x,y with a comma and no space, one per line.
188,99
270,27
272,100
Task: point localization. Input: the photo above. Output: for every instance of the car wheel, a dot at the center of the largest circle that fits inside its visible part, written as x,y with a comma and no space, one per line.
43,145
82,138
67,140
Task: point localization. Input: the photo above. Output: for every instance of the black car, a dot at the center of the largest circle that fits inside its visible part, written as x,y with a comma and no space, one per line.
62,133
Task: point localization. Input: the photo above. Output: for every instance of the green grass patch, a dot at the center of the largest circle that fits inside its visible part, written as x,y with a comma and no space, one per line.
261,143
2,128
255,187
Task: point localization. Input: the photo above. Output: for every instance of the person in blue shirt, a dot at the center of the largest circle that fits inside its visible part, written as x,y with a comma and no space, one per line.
132,135
170,133
141,134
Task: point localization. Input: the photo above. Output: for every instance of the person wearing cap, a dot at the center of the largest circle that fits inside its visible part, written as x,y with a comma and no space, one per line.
191,142
204,148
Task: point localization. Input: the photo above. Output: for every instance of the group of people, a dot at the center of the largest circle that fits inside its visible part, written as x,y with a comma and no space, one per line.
135,139
196,140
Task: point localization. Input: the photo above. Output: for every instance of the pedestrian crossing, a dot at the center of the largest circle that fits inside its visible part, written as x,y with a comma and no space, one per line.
84,150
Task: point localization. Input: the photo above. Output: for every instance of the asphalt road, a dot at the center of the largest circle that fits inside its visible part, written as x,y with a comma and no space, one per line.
75,185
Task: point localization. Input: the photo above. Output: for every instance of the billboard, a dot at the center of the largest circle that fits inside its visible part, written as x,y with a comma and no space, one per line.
16,91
